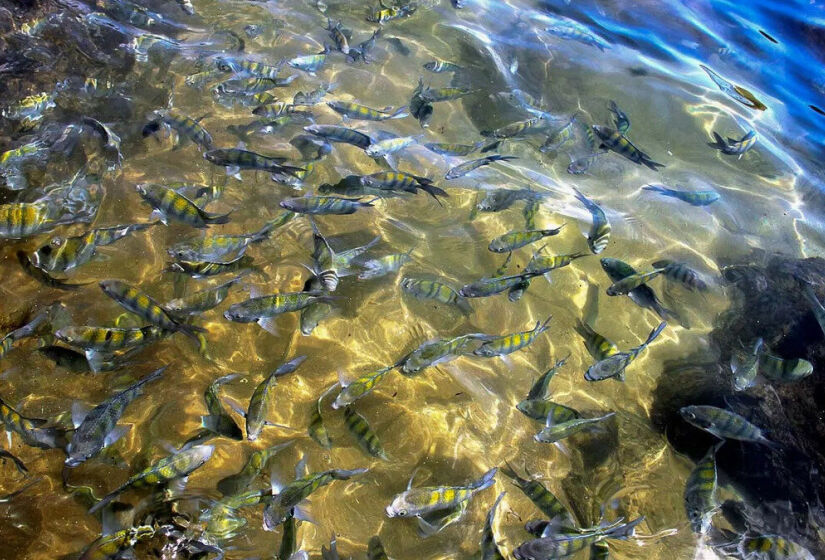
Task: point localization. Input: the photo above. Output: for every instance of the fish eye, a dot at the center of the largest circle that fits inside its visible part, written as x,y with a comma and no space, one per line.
402,512
45,249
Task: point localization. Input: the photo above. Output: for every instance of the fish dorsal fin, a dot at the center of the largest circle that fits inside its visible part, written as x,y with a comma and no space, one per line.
412,476
342,381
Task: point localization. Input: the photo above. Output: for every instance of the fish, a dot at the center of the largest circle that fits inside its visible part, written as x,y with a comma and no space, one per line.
583,164
440,66
415,502
243,68
599,235
289,542
360,112
745,366
521,128
375,549
434,95
108,339
643,296
139,303
317,429
541,264
33,431
314,97
385,13
491,286
216,247
340,134
314,313
553,433
187,128
168,203
784,370
700,492
489,547
277,109
205,269
308,63
615,365
325,205
567,546
567,29
599,347
530,211
733,147
541,497
22,219
364,48
559,137
13,160
257,461
441,350
259,309
443,149
338,35
620,118
360,387
115,544
63,254
177,465
724,424
694,198
516,239
375,268
98,428
628,283
287,497
540,388
434,290
390,146
682,273
735,92
421,109
546,411
235,159
396,181
772,547
501,199
218,421
614,141
202,300
261,402
507,344
44,277
463,169
364,435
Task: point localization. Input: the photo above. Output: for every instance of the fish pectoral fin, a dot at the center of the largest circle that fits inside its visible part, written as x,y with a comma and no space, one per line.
159,216
117,433
300,513
79,413
268,324
234,405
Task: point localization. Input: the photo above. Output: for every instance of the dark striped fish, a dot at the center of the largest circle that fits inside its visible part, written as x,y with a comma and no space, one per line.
187,128
205,269
247,68
613,140
235,159
599,235
168,203
108,339
202,300
218,421
547,411
363,113
396,181
317,429
340,134
434,290
682,273
733,147
63,254
541,387
364,435
261,402
98,429
216,247
491,286
257,462
325,205
543,499
507,344
772,547
177,465
32,431
782,370
700,492
134,300
354,390
554,432
615,365
517,239
620,118
724,424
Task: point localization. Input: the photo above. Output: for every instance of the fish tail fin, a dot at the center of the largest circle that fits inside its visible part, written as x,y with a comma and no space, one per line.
464,305
625,530
216,218
400,113
433,191
107,499
654,188
485,481
652,164
718,143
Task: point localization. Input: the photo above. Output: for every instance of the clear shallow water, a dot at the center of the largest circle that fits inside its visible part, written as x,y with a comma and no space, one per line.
457,420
